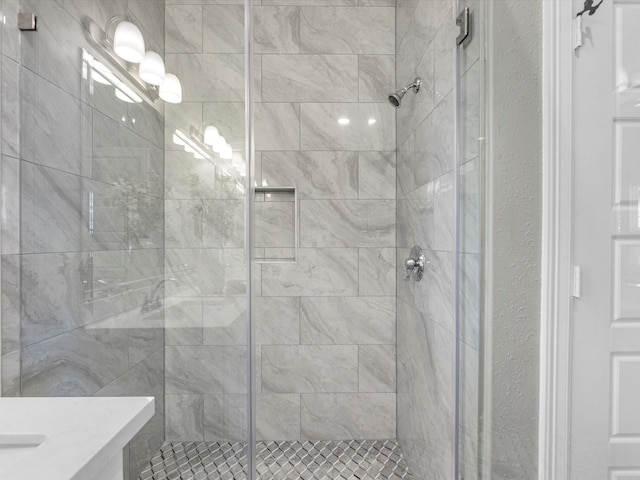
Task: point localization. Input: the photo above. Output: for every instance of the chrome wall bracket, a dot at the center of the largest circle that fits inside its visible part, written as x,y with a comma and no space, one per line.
464,22
414,265
27,22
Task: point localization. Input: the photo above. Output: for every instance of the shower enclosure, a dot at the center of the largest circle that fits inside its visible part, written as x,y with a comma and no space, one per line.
239,251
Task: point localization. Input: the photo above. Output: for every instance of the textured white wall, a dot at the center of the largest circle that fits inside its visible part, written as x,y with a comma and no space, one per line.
514,234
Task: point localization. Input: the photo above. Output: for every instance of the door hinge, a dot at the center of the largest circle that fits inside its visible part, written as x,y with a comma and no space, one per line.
576,281
577,33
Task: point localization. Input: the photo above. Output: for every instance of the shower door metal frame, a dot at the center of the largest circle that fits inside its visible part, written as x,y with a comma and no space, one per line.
249,236
557,238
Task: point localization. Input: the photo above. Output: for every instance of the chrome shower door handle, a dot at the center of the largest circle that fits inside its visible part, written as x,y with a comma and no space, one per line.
414,265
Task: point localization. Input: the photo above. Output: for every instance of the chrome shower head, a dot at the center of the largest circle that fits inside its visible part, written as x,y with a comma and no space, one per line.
395,99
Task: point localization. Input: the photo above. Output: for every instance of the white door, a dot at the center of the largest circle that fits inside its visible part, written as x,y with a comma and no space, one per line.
605,385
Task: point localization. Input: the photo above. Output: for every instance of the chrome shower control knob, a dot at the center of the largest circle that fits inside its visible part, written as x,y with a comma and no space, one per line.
414,265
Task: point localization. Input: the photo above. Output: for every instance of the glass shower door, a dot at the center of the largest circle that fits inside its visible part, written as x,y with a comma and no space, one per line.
470,157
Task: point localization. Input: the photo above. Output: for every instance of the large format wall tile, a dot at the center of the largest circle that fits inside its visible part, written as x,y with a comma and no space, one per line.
316,175
188,369
277,126
434,205
51,210
53,295
348,416
377,368
10,220
183,28
54,52
224,73
309,368
371,320
277,417
347,30
346,223
10,328
276,29
77,363
223,29
183,321
228,118
309,78
319,272
11,374
274,224
225,321
376,175
376,77
371,126
223,223
10,105
277,320
44,139
377,271
183,223
184,417
225,418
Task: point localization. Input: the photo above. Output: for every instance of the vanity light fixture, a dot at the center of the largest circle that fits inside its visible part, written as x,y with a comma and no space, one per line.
120,48
152,69
128,42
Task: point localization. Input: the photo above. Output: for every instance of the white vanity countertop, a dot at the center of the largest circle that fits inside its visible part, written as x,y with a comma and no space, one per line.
81,435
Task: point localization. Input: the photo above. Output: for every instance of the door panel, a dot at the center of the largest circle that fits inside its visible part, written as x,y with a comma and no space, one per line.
605,415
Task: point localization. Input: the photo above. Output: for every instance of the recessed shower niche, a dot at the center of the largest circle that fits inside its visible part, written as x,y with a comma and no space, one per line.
276,224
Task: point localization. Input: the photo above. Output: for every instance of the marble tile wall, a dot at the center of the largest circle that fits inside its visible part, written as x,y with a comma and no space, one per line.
325,325
425,47
82,217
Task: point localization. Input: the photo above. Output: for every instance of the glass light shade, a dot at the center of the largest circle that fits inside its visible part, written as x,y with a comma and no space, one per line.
211,135
128,42
152,69
227,152
171,89
219,145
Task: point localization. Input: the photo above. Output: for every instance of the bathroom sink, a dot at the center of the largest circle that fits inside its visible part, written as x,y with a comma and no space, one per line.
70,438
13,447
19,442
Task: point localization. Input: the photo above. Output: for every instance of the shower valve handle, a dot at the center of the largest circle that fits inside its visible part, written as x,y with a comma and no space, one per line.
414,265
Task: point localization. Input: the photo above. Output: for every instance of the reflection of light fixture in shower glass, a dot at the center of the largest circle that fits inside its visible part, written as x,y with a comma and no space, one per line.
211,135
219,145
227,152
102,74
152,69
344,121
171,89
125,94
128,42
178,141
